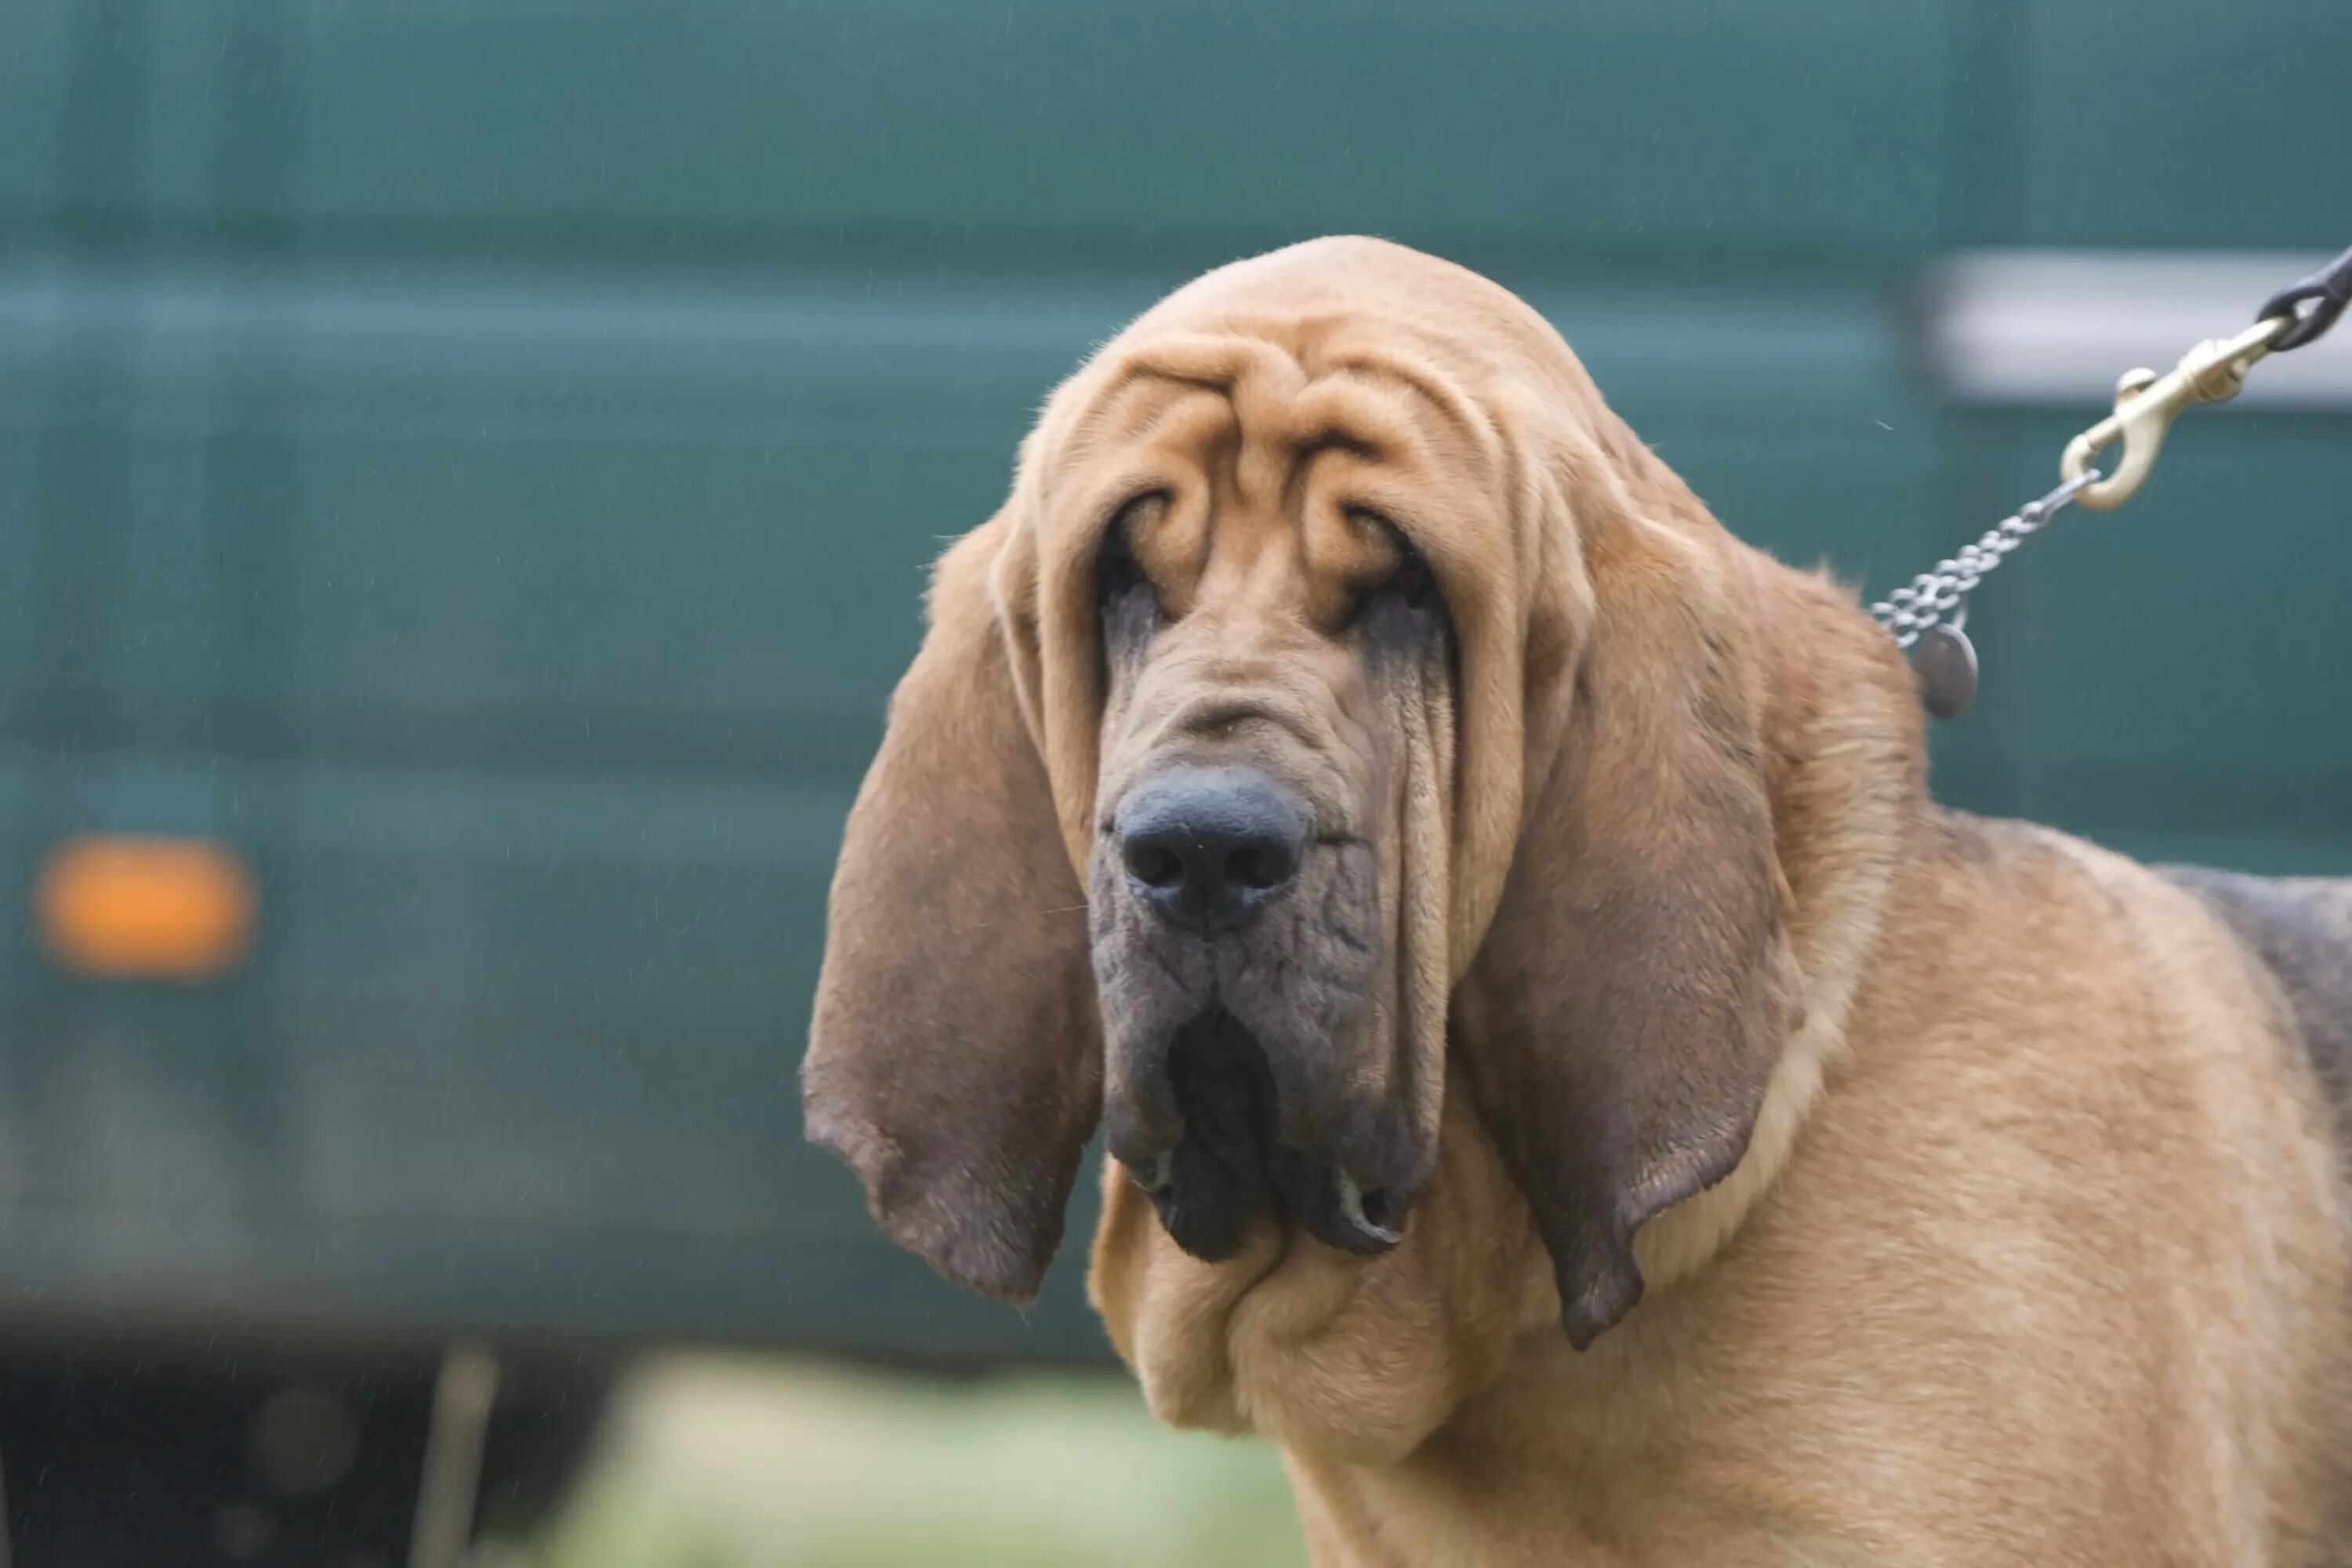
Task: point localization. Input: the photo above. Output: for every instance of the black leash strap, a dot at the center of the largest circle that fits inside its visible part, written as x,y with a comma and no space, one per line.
2314,304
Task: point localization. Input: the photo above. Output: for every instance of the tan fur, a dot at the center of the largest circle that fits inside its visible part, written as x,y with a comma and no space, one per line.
1983,1206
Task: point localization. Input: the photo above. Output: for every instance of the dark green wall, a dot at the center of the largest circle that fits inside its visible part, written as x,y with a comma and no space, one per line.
479,458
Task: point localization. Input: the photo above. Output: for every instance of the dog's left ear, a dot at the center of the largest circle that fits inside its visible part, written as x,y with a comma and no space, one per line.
1625,1011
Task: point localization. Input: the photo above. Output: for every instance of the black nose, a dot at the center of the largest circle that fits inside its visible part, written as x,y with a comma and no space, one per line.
1208,848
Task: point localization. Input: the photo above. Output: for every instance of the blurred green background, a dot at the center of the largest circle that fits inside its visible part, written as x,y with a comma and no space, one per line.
474,461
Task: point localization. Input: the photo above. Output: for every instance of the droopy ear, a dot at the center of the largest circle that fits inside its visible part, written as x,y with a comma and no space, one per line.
1626,1011
955,1059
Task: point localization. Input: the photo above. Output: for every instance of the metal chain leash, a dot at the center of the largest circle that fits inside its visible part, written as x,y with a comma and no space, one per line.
1929,615
1940,596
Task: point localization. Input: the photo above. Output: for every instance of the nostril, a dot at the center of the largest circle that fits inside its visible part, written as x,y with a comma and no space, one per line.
1261,867
1154,865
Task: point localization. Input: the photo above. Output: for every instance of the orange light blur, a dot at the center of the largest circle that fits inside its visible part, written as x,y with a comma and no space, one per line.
121,907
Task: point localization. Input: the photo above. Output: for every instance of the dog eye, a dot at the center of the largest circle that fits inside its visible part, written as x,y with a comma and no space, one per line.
1409,582
1412,581
1122,593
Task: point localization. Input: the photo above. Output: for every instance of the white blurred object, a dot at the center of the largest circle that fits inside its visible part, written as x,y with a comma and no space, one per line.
2058,327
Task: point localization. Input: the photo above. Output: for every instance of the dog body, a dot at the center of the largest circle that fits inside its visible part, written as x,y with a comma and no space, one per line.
1513,905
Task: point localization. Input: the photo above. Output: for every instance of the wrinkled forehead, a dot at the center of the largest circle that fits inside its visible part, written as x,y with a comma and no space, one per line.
1338,374
1258,460
1298,441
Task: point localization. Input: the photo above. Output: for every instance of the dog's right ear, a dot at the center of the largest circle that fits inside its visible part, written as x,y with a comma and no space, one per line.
1622,1021
955,1061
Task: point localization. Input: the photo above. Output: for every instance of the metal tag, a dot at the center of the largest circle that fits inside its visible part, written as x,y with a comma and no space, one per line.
1947,662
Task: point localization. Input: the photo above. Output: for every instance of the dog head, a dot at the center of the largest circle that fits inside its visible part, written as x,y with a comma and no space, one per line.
1342,690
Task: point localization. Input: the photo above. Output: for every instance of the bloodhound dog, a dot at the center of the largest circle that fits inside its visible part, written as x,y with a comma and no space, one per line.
1567,1083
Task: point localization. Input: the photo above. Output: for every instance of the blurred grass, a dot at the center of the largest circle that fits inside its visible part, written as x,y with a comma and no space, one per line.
716,1462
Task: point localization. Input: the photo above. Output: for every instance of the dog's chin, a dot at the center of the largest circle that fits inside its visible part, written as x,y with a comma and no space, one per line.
1231,1165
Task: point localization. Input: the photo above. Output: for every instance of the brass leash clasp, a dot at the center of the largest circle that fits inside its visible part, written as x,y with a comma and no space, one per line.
2146,404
